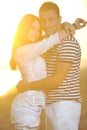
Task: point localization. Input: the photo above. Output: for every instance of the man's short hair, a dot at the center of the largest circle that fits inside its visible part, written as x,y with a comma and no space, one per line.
49,6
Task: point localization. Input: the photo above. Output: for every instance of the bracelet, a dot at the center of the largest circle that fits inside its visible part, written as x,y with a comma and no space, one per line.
74,25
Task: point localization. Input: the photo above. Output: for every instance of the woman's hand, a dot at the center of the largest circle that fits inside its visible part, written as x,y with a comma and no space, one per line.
80,23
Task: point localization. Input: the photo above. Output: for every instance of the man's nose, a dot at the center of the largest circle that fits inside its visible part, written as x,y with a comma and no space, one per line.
47,24
36,31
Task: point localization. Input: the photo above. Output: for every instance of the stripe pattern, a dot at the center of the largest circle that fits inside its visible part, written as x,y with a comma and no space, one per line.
67,51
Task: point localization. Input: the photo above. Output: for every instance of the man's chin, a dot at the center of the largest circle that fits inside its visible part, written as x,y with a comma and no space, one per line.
50,33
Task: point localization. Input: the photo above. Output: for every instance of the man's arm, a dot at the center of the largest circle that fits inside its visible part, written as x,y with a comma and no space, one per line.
51,82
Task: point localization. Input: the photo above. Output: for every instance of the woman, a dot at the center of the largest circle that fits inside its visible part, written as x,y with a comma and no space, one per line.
27,106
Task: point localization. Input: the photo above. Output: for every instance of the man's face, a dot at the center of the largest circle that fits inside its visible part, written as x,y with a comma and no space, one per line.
50,21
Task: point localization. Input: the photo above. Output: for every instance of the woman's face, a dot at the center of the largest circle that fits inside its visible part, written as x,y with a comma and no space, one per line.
34,31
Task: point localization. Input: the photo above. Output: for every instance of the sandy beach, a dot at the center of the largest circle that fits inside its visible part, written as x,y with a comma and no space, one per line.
6,100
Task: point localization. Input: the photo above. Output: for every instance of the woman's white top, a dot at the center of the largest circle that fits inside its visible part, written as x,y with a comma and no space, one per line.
32,67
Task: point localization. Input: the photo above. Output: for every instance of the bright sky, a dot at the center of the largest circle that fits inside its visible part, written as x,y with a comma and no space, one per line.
11,12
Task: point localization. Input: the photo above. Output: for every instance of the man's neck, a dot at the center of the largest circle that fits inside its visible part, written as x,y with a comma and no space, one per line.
47,34
59,28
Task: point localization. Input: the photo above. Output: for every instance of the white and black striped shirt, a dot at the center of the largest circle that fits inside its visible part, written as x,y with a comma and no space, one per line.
67,51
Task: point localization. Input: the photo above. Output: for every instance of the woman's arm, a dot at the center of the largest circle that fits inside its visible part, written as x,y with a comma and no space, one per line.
30,51
79,23
71,28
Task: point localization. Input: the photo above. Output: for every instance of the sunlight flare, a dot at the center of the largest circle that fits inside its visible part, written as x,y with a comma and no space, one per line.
9,79
11,11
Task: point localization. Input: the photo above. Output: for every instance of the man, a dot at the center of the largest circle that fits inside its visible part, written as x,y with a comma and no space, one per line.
63,68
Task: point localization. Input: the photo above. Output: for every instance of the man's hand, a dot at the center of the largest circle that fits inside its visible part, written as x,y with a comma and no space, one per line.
80,23
21,86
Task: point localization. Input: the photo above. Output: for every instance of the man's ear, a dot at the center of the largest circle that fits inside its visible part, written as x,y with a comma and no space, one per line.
60,19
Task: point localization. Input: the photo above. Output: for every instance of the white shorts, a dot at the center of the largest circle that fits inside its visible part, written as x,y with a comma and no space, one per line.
63,115
26,109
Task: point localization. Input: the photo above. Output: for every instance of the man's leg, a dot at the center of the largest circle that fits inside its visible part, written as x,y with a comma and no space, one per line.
64,115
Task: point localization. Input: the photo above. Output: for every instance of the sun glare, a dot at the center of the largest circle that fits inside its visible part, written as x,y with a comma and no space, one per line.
9,79
11,11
